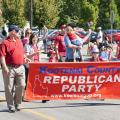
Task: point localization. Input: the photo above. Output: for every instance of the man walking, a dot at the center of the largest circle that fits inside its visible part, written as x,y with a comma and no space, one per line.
12,59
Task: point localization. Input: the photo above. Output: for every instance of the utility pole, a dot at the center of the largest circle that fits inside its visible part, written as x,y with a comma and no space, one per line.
0,12
112,17
31,13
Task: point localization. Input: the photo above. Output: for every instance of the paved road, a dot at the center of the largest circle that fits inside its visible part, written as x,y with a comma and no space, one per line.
61,109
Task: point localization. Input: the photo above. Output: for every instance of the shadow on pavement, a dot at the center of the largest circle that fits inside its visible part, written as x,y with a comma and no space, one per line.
70,105
2,91
92,104
2,100
4,110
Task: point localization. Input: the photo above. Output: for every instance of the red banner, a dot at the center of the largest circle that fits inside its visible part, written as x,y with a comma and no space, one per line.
73,80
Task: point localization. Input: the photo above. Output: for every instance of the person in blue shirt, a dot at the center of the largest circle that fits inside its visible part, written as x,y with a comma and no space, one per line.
104,54
70,48
70,51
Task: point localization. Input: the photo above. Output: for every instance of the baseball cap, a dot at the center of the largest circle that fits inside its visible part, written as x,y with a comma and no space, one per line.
13,27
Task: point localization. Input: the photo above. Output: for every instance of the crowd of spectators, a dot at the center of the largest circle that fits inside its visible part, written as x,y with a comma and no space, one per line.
66,46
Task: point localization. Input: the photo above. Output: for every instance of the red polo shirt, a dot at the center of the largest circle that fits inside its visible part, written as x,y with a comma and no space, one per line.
59,41
13,51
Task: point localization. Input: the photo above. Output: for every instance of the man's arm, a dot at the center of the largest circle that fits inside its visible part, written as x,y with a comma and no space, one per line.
87,36
69,44
4,66
26,59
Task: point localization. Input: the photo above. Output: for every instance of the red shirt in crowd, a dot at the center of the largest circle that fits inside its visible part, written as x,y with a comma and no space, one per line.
13,51
59,41
72,36
118,50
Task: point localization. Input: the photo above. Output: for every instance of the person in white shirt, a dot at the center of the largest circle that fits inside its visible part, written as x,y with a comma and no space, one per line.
99,37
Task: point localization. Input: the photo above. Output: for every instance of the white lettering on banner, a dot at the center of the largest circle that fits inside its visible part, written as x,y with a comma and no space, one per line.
81,79
47,79
98,86
56,79
80,83
64,79
80,88
101,79
109,79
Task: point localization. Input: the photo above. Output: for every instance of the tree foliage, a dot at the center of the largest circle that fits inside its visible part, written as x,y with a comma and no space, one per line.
13,11
104,19
52,13
80,11
118,6
1,17
27,9
89,11
45,12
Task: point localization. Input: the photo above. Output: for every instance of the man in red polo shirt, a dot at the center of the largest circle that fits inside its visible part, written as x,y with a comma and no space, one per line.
12,59
60,45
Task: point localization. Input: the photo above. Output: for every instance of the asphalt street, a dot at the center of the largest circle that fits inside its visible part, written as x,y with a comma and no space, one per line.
61,109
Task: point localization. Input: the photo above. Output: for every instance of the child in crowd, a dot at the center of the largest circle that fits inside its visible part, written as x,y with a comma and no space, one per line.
53,56
75,39
104,54
91,47
25,40
95,53
118,51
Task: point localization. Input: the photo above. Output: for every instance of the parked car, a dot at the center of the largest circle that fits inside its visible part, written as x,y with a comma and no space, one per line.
35,30
112,35
111,31
92,37
51,36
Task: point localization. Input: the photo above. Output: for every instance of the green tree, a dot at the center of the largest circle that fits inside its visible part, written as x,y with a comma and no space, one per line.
79,11
116,16
118,6
27,9
71,11
90,11
1,17
45,12
13,12
105,13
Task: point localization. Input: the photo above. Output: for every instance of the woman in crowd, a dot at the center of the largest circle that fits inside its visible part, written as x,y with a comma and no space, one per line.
118,51
94,54
25,40
105,54
32,51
